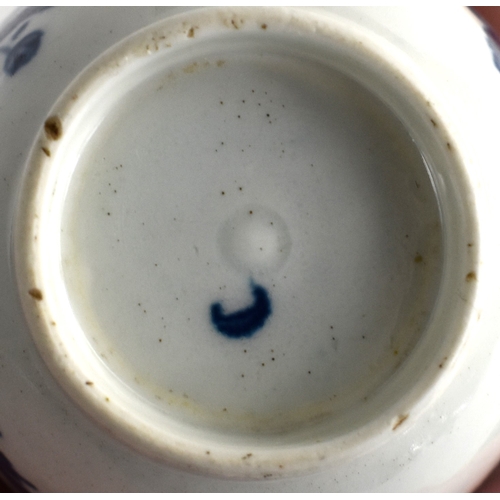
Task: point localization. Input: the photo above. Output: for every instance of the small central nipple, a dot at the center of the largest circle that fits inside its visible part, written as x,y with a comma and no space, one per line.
255,240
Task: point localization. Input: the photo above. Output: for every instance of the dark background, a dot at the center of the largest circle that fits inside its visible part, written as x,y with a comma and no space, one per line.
492,484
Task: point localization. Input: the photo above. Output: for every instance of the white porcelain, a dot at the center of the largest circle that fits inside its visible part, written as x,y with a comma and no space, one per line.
249,249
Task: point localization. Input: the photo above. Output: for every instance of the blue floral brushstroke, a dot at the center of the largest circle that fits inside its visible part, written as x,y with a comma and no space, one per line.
25,49
494,43
491,38
12,476
245,322
19,17
22,52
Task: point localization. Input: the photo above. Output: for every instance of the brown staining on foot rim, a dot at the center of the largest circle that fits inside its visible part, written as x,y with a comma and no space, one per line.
399,421
36,293
46,151
471,277
53,128
443,362
235,23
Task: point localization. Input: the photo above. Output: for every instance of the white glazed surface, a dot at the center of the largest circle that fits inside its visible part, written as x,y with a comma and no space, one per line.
451,443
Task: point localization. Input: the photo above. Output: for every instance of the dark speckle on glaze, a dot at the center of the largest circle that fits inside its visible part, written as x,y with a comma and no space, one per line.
245,322
12,476
22,52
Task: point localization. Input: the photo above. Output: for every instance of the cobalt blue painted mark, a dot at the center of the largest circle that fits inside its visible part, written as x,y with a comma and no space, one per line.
13,477
22,52
494,43
13,22
245,322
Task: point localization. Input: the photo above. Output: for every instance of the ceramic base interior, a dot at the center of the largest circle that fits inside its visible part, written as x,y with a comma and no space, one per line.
225,173
245,241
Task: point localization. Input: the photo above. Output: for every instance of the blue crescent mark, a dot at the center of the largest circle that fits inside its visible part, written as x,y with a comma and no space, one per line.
245,322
